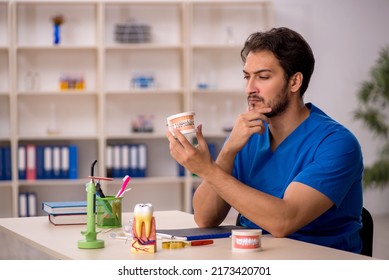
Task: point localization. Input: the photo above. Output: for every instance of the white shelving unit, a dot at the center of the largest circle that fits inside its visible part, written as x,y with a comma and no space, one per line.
193,54
6,187
4,72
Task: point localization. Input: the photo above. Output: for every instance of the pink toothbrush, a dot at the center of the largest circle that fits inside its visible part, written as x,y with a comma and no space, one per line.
126,179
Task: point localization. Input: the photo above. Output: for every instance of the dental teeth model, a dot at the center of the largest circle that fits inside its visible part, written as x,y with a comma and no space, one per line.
143,230
143,215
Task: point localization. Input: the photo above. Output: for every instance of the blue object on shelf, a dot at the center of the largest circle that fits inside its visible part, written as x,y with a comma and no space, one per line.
57,34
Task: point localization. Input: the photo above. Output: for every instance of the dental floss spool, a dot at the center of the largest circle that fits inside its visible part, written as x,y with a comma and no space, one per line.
246,240
184,122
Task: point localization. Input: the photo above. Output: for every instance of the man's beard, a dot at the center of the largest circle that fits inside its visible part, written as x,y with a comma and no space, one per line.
278,105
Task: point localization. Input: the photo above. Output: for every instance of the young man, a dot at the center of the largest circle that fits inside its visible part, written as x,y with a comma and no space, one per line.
287,167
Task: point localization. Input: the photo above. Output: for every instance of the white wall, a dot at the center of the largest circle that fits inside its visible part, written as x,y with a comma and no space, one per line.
346,36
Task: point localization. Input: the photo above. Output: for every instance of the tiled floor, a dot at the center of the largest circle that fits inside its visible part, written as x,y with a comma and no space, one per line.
14,249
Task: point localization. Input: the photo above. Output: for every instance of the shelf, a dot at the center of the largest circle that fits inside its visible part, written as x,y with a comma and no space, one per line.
50,183
151,92
59,113
163,18
228,74
121,111
4,71
35,24
149,46
135,136
6,195
5,131
154,181
41,70
5,184
58,93
79,182
60,137
4,34
217,47
164,66
225,92
228,22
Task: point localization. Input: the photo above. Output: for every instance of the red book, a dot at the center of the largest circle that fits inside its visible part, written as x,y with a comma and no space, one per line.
31,162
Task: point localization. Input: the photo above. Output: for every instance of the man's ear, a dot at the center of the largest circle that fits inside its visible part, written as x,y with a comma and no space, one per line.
295,82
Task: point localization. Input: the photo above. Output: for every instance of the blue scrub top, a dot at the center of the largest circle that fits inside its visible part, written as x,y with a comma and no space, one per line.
322,154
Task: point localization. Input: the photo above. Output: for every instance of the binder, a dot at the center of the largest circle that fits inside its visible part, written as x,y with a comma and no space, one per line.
40,160
56,162
2,163
134,161
109,160
31,162
142,165
73,161
212,150
27,204
125,163
22,162
181,170
31,204
48,162
130,170
64,168
23,204
7,163
116,173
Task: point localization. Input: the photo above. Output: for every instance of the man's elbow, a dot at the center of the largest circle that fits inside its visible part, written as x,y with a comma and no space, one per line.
278,234
204,222
281,230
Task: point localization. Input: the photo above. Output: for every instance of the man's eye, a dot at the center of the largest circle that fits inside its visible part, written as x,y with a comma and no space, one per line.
264,77
245,77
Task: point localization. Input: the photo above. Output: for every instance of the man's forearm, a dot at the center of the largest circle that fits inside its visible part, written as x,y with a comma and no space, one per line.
209,208
225,160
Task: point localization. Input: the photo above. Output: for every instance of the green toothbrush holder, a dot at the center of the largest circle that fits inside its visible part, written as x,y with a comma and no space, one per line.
109,212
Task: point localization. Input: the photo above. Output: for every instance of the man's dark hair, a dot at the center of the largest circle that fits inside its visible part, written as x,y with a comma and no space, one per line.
289,47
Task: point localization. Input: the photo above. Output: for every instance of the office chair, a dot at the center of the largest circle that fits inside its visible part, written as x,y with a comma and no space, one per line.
366,232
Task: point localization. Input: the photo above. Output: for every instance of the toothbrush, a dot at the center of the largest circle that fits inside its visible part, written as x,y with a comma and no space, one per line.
126,179
124,192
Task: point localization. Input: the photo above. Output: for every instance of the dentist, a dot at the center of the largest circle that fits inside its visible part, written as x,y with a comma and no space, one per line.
286,167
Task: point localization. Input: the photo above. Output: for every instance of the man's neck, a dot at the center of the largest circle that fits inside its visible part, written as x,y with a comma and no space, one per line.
282,126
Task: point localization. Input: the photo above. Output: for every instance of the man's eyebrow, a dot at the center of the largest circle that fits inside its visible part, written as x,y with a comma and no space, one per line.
258,71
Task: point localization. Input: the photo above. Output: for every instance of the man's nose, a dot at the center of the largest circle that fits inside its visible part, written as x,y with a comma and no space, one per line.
250,87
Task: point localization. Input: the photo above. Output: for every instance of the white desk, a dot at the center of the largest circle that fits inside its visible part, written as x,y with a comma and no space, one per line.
61,243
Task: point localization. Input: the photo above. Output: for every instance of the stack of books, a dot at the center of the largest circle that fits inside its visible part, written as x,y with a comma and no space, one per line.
66,212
